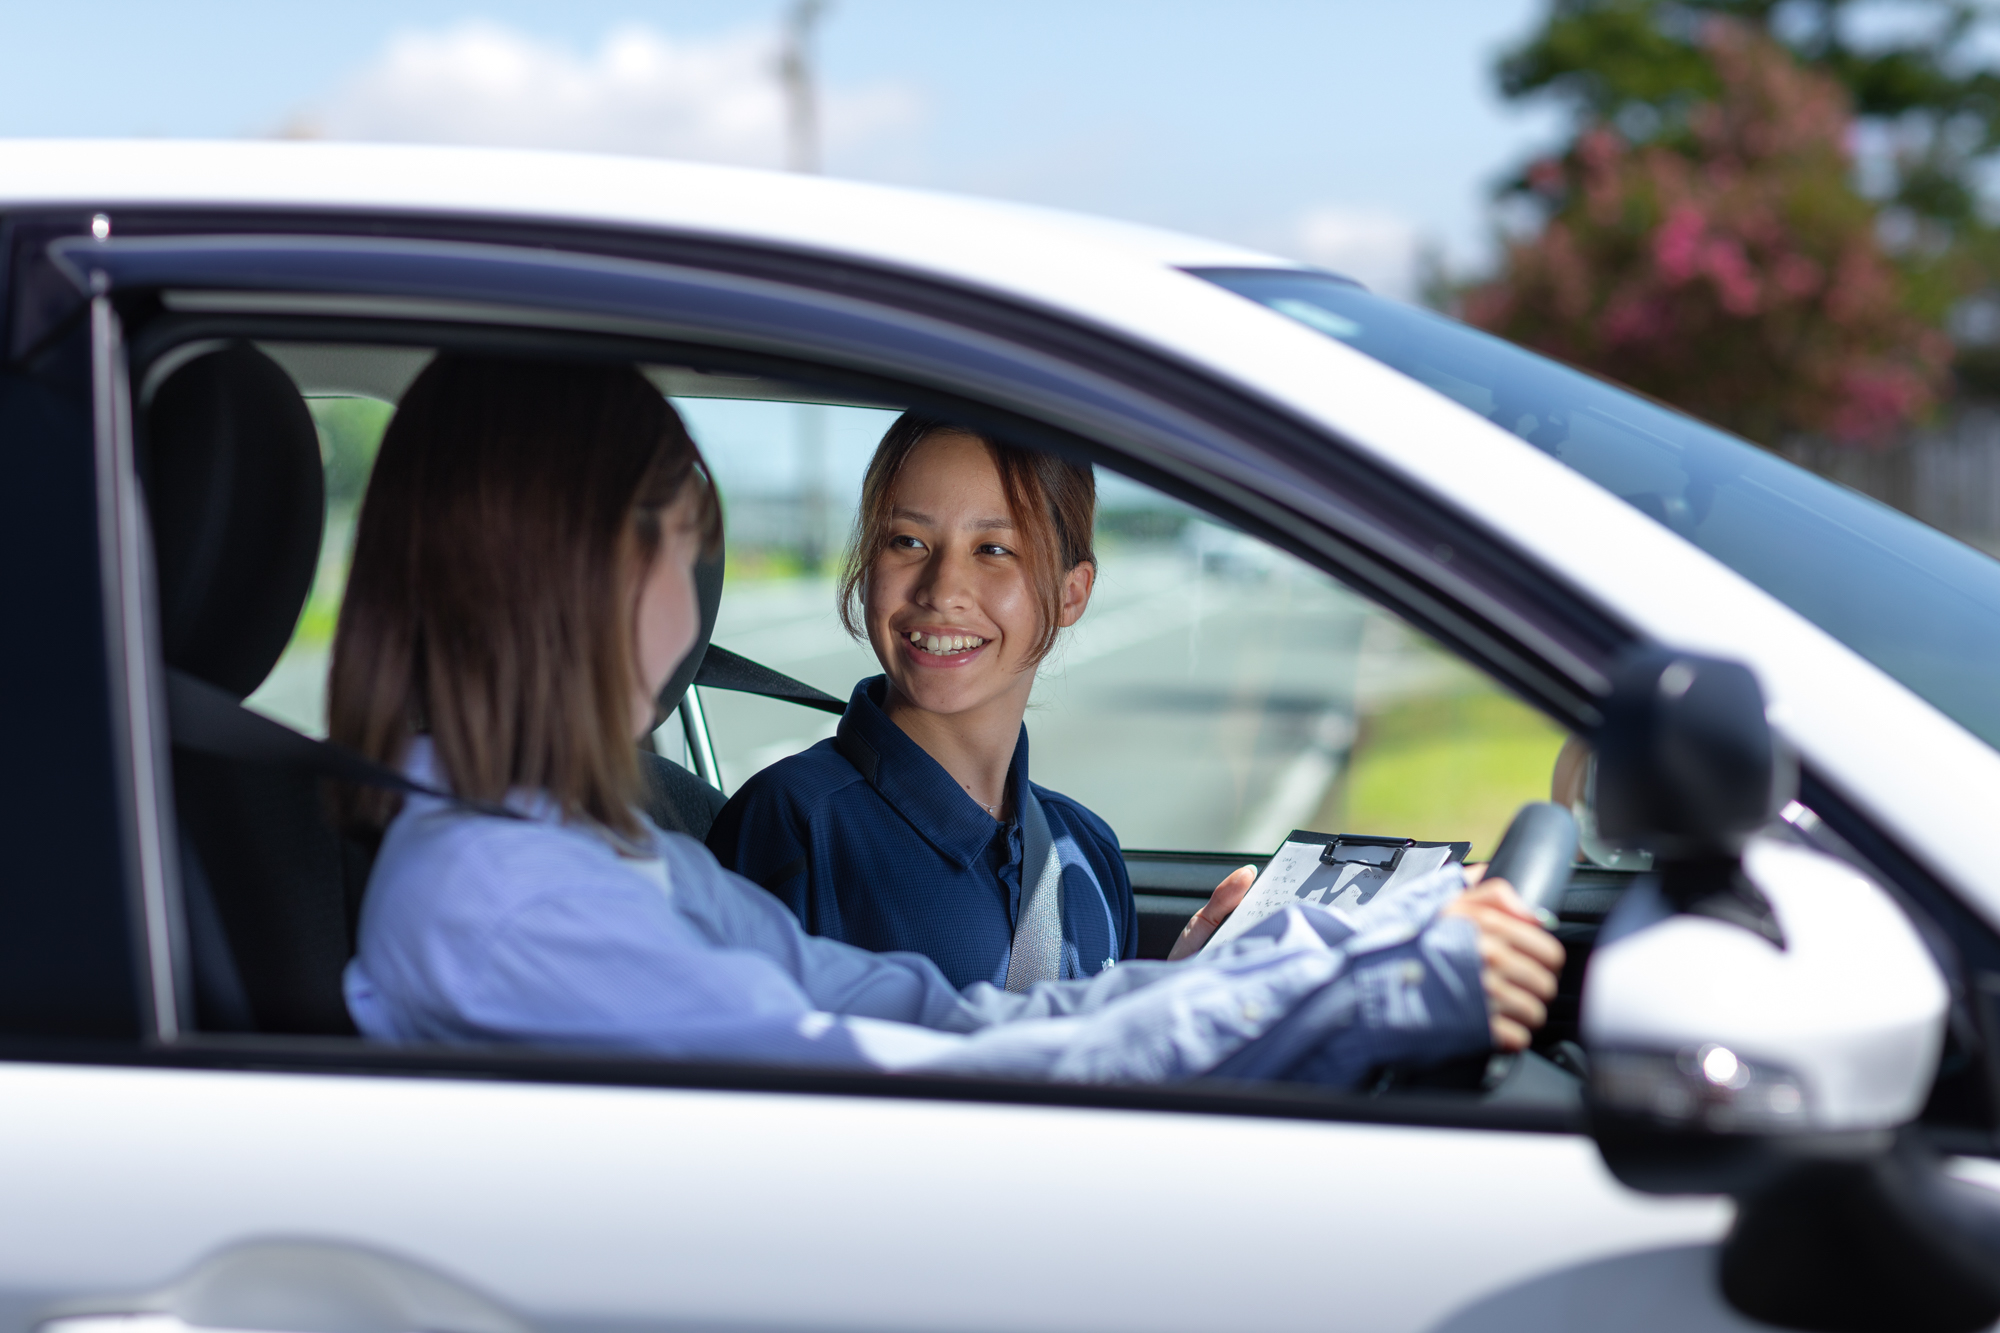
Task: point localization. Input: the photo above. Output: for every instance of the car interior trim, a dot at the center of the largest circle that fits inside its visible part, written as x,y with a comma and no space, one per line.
136,693
701,750
347,1057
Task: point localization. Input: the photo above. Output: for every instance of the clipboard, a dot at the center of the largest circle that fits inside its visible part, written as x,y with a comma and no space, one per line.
1341,871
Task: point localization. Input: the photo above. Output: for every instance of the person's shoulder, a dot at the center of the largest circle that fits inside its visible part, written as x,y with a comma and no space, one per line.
446,855
788,794
1078,818
799,781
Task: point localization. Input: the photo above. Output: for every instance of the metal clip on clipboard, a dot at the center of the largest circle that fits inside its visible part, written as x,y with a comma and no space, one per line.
1335,870
1359,849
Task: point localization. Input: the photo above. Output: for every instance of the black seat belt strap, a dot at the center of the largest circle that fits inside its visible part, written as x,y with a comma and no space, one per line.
724,670
207,719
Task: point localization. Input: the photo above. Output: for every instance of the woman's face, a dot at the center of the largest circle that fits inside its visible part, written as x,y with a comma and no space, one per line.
667,618
951,612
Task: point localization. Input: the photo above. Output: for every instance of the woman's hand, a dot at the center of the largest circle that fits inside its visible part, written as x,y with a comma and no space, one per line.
1519,961
1213,913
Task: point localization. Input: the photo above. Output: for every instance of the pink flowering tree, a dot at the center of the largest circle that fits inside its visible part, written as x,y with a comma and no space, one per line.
1736,275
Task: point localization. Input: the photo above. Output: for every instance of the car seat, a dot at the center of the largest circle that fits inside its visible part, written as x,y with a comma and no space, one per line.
679,801
234,482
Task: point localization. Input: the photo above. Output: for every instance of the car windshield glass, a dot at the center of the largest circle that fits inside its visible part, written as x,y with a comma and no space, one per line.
1920,605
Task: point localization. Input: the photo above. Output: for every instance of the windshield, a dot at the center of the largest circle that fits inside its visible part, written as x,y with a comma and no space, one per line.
1923,607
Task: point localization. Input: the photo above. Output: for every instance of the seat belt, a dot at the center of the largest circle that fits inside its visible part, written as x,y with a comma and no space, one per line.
724,670
207,719
1037,951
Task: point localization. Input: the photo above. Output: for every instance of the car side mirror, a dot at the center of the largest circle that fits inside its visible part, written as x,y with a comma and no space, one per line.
1765,1021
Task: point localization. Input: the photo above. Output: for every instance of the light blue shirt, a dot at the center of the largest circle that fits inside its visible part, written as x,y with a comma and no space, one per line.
478,928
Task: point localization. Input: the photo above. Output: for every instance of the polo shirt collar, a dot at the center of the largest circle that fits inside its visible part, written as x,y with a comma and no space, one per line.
915,784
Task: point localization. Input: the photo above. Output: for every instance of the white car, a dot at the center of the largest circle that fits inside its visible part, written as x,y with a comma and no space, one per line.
1791,1103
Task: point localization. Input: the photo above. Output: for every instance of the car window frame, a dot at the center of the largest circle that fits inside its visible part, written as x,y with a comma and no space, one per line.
1511,618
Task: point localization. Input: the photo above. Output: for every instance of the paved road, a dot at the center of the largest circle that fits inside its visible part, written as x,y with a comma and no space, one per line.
1194,711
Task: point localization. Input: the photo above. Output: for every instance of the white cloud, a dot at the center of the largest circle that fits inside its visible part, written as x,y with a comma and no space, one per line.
1374,248
641,92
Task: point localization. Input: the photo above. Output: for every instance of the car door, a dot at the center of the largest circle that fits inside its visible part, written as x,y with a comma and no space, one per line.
264,1180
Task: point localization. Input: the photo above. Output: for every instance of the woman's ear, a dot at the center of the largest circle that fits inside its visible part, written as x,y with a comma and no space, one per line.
1076,593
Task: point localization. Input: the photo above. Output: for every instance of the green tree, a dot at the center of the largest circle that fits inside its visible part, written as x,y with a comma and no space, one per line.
1729,267
1642,67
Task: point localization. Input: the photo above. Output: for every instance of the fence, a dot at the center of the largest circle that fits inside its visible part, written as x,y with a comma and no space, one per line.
1947,475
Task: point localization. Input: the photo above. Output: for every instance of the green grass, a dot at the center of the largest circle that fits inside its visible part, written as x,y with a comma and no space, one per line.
1445,768
758,564
350,432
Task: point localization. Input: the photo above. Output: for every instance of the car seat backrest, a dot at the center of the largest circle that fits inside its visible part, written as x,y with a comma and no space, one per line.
238,502
708,597
234,481
236,490
677,800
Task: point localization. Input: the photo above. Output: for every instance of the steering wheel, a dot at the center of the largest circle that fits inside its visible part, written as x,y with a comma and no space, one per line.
1535,856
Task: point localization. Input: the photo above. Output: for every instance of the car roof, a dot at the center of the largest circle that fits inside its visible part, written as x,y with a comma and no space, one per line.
912,228
1883,748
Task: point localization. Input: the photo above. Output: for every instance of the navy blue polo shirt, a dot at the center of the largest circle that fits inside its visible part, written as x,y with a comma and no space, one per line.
868,840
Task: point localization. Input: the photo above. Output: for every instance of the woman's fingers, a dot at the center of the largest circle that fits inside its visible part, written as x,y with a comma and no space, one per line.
1499,913
1203,924
1531,969
1527,941
1229,893
1512,1012
1508,1000
1519,961
1501,894
1517,969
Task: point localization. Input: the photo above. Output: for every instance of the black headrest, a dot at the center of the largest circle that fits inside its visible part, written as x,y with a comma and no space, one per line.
238,502
708,591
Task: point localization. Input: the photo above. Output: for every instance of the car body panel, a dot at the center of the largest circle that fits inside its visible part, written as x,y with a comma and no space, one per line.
591,1208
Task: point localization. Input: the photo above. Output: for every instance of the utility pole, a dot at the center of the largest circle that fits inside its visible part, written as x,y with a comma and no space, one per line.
796,73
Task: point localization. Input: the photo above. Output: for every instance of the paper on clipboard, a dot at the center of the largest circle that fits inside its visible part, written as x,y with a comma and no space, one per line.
1360,871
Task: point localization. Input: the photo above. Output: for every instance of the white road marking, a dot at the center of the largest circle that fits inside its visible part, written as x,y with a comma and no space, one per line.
1298,791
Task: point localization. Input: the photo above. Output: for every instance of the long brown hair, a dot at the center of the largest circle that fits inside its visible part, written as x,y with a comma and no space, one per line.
513,505
1053,503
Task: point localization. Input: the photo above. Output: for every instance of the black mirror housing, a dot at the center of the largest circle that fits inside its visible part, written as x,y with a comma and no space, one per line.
1687,767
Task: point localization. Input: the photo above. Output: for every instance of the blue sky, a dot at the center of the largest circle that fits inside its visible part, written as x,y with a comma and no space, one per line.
1341,131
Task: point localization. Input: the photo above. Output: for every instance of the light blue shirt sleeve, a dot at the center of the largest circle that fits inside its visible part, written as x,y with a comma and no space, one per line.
480,929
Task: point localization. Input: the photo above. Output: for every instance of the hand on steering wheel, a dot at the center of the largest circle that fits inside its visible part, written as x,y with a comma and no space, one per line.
1519,961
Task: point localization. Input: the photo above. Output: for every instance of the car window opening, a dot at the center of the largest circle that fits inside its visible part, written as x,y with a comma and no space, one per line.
1262,695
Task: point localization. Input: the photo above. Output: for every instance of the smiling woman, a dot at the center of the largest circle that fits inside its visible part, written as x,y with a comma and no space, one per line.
916,826
968,561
